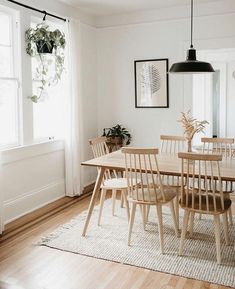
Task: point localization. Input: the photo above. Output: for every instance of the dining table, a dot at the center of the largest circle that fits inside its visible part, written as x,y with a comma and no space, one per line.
168,164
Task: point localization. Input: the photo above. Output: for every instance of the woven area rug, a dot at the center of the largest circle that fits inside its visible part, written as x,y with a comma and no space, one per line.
109,242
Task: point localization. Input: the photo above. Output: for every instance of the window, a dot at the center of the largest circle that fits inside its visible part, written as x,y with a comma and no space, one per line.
21,121
48,114
9,82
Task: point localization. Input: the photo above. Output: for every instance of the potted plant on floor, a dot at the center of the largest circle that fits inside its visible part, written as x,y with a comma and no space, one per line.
117,136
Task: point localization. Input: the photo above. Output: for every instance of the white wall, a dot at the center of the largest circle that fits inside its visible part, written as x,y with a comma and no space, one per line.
117,49
33,175
119,46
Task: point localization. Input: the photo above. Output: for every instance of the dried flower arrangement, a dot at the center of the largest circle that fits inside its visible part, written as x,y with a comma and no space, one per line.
191,126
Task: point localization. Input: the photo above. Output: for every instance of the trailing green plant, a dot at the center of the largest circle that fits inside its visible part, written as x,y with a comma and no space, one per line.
118,131
48,48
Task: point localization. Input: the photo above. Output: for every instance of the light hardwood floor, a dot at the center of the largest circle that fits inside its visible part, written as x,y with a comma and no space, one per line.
23,265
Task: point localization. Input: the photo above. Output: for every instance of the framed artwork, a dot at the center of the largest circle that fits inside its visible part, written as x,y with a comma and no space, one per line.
151,83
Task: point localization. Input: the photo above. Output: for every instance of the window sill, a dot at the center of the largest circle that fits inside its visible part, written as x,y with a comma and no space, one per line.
30,151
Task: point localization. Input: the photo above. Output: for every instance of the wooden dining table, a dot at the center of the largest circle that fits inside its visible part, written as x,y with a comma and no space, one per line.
169,164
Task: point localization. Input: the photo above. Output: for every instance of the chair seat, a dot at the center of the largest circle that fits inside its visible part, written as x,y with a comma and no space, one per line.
226,186
153,197
219,209
115,183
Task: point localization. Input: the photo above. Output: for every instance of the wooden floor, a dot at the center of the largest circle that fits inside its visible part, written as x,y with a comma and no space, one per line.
26,265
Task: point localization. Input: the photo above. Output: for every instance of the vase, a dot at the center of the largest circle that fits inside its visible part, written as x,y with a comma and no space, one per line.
189,145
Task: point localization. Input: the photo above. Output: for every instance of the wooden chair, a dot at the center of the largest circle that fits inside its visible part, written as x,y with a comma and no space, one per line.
111,180
221,146
141,164
172,145
210,201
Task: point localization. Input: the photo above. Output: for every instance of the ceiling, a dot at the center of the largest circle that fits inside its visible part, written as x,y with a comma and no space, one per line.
109,7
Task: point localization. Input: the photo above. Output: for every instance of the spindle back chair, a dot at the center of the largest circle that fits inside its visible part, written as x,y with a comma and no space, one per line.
172,144
111,180
142,166
99,148
221,146
204,199
224,147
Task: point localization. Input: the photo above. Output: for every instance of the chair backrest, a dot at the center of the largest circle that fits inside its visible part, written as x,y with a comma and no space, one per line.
142,172
172,144
100,148
202,188
218,146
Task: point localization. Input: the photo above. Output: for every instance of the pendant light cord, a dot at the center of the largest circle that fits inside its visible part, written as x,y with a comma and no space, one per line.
191,46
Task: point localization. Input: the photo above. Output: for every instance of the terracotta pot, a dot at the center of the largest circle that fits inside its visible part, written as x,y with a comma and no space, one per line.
117,140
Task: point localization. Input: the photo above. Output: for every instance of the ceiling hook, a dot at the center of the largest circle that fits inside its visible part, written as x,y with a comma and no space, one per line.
45,15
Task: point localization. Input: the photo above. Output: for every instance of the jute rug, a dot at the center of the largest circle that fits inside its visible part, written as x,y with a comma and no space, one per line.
109,242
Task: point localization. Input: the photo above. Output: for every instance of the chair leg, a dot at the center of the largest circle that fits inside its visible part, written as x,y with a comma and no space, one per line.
114,192
122,200
192,215
143,214
160,227
177,209
124,195
174,218
131,222
225,221
102,199
147,213
217,237
184,230
230,215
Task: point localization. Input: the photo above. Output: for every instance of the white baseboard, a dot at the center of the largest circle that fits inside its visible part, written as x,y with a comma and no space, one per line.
30,201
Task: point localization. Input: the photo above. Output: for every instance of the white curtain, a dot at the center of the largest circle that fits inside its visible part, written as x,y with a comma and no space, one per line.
1,199
73,143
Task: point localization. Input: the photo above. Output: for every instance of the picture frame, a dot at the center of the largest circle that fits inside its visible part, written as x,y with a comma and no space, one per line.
151,83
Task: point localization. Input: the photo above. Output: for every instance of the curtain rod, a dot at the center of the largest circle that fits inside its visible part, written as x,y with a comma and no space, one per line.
38,10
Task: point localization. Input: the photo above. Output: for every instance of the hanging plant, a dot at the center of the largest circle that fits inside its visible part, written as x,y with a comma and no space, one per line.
42,43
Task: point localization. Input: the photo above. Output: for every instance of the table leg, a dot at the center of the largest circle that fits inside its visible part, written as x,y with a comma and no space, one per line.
93,199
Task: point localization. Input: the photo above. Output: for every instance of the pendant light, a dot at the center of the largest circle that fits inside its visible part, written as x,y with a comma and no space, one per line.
191,65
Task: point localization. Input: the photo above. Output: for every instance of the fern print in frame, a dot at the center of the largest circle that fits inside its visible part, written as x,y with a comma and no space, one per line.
151,83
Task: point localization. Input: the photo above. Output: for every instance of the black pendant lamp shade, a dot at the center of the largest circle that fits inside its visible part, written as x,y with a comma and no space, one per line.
191,65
